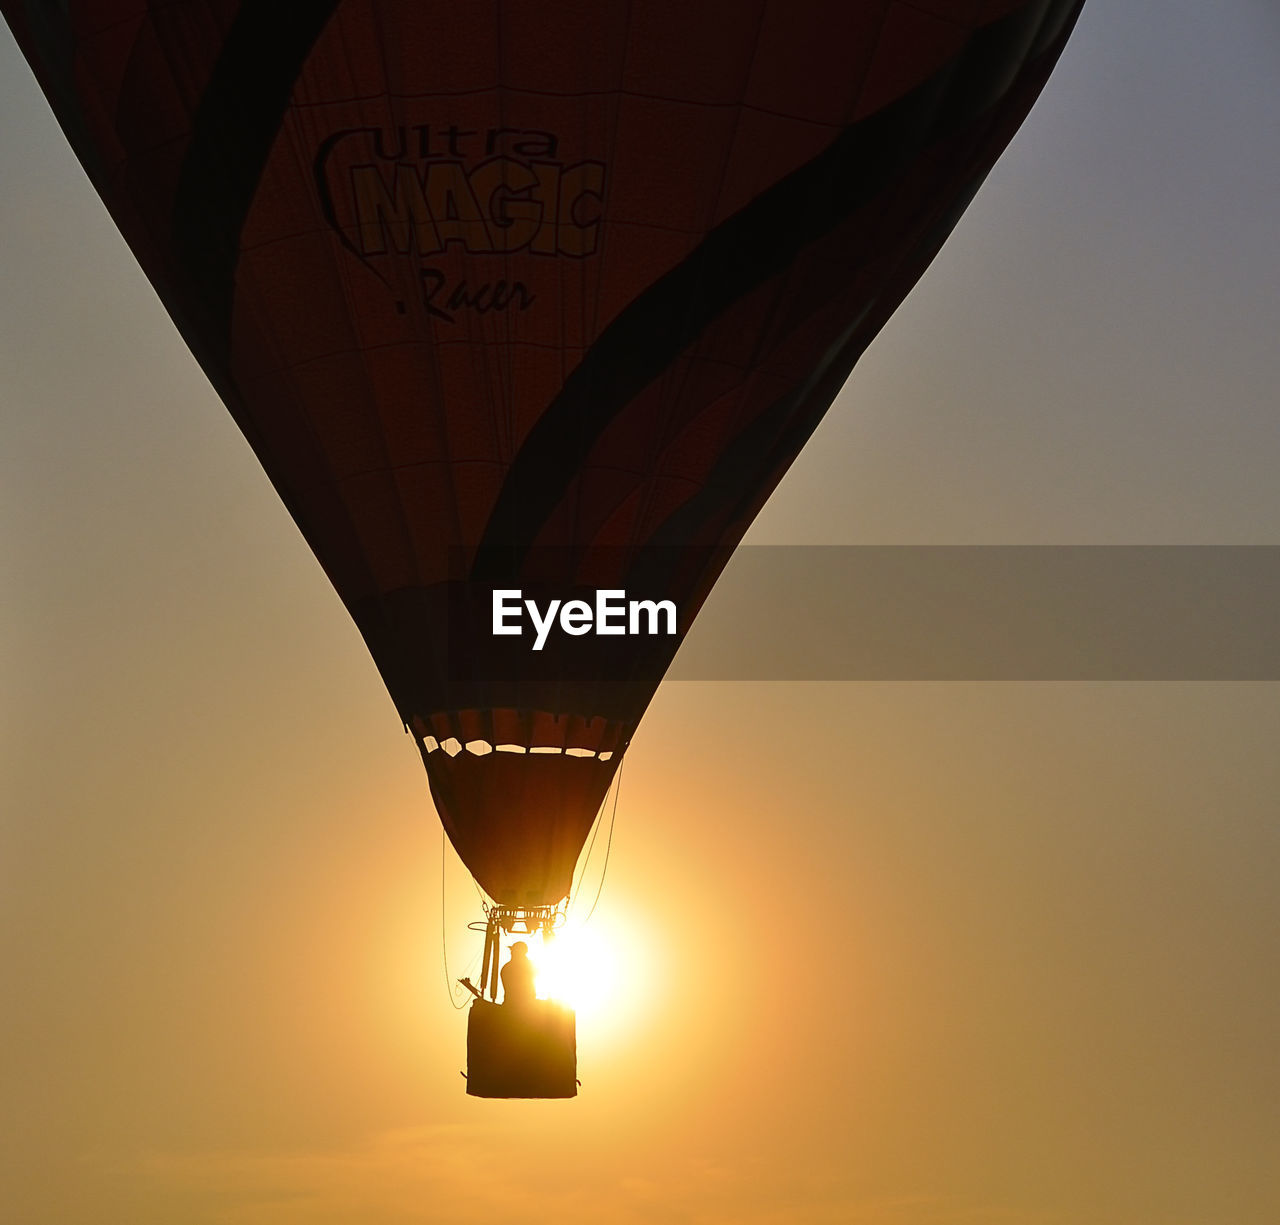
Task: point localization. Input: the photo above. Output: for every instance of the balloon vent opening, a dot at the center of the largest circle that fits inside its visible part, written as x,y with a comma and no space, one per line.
481,748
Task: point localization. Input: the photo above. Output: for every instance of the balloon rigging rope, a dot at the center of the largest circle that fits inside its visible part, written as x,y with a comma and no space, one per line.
595,833
450,989
608,846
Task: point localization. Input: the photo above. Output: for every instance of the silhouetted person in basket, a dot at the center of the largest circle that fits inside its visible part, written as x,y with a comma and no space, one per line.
517,978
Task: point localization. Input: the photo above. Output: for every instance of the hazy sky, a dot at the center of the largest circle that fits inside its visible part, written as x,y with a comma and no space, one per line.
904,954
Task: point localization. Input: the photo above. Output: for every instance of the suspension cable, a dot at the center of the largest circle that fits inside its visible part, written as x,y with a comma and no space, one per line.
450,989
595,833
608,845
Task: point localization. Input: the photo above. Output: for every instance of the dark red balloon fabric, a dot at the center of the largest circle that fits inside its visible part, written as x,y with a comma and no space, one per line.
521,291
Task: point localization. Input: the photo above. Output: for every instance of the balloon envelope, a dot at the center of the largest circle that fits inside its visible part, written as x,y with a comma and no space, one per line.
532,296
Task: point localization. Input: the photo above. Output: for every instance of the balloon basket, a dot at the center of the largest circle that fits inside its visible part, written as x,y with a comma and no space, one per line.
529,1051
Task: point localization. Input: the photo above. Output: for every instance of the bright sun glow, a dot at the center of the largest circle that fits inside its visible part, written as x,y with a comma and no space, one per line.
599,970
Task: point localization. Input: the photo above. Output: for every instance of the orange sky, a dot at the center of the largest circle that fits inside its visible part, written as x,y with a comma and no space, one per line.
922,954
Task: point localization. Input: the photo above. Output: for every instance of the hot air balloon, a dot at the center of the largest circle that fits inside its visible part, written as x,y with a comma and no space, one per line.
532,301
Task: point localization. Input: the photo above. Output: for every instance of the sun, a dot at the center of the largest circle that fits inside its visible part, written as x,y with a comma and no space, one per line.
598,969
